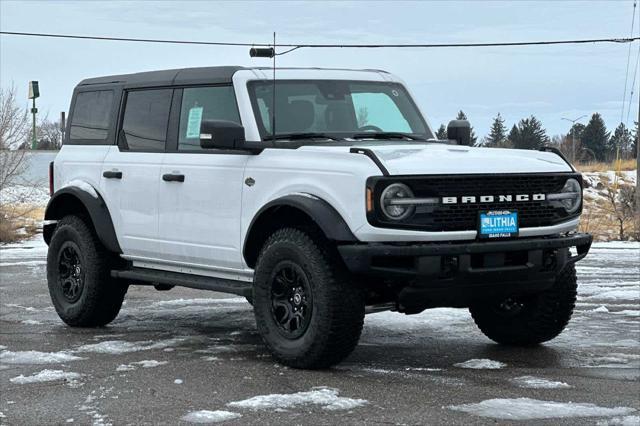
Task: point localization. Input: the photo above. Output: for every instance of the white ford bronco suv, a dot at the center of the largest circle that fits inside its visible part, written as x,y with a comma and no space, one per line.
331,199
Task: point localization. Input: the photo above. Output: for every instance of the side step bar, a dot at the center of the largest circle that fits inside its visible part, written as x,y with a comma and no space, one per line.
153,276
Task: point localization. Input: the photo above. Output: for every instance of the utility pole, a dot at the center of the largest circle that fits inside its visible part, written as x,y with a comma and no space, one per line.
637,218
573,136
34,92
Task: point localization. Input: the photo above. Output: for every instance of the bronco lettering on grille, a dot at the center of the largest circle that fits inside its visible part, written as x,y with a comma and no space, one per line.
471,199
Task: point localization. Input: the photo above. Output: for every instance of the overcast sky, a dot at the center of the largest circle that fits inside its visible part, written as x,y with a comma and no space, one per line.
550,82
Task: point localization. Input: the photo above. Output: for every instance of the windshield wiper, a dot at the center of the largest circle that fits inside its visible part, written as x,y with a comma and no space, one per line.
386,135
300,136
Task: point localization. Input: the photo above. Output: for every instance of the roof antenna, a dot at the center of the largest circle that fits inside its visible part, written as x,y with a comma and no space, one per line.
269,52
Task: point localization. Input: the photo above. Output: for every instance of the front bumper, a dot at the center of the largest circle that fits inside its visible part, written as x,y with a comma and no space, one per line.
456,274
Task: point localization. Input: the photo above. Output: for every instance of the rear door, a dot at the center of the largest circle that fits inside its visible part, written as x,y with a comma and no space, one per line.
131,170
199,212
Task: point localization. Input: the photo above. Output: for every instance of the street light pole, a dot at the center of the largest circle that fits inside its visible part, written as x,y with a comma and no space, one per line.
573,136
34,137
34,92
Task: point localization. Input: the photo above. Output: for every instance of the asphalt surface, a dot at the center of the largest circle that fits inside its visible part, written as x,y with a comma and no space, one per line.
209,355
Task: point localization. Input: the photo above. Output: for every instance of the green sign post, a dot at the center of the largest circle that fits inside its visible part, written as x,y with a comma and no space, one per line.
34,92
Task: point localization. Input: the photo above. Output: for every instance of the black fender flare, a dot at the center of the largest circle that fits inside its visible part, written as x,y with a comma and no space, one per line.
69,200
323,214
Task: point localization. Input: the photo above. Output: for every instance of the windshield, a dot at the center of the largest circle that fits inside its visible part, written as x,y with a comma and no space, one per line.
336,109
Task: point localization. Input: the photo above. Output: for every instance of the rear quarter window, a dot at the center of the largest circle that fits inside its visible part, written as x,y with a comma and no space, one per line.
92,116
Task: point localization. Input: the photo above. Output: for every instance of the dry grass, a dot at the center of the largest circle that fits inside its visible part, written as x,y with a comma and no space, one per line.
597,220
20,221
608,212
619,165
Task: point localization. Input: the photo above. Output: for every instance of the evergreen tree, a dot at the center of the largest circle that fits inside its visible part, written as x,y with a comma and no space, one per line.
621,141
474,138
529,134
442,132
595,138
572,146
576,131
498,133
514,135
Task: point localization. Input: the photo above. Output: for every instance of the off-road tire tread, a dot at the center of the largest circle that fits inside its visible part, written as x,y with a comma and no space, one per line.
103,295
548,317
341,325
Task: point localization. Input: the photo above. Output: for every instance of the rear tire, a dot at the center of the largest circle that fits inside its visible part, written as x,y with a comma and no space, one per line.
78,274
533,319
308,310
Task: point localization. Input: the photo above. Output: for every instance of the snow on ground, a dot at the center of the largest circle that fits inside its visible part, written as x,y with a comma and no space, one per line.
36,357
481,364
608,289
596,183
608,276
24,251
118,347
91,409
326,397
46,376
538,383
36,195
533,409
206,416
621,421
147,363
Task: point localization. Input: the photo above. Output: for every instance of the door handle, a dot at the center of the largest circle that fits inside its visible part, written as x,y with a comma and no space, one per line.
112,174
171,177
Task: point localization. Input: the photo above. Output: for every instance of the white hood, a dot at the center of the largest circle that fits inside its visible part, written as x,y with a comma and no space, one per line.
437,158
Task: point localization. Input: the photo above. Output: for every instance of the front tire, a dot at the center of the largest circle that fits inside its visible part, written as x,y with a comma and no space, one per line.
532,319
309,312
78,274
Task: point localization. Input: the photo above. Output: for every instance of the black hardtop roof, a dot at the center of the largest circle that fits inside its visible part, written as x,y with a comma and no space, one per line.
202,75
186,76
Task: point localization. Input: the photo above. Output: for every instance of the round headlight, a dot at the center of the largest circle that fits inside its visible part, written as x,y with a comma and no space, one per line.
571,204
391,201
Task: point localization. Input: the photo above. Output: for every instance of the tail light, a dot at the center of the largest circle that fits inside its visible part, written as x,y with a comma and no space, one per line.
51,178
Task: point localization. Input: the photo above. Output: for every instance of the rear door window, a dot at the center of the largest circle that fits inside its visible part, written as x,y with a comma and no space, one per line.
145,121
204,103
91,116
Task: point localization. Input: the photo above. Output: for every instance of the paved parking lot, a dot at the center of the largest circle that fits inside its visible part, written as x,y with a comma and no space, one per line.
187,356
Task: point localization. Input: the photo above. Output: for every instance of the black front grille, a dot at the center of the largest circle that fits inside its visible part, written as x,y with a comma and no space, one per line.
459,216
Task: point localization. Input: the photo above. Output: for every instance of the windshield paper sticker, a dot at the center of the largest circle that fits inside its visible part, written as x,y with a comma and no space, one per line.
193,123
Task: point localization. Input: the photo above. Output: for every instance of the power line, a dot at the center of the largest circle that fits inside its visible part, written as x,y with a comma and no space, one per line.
626,75
314,45
633,85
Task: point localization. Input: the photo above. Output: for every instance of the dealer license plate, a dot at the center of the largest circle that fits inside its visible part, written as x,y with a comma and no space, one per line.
498,224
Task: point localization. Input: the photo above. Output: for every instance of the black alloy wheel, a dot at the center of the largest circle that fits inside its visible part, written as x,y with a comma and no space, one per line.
291,299
70,272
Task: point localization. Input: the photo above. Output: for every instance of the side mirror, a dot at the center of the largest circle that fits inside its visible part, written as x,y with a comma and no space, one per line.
221,134
459,131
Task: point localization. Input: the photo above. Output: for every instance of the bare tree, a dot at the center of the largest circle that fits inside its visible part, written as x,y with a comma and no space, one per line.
16,192
620,204
14,120
49,135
